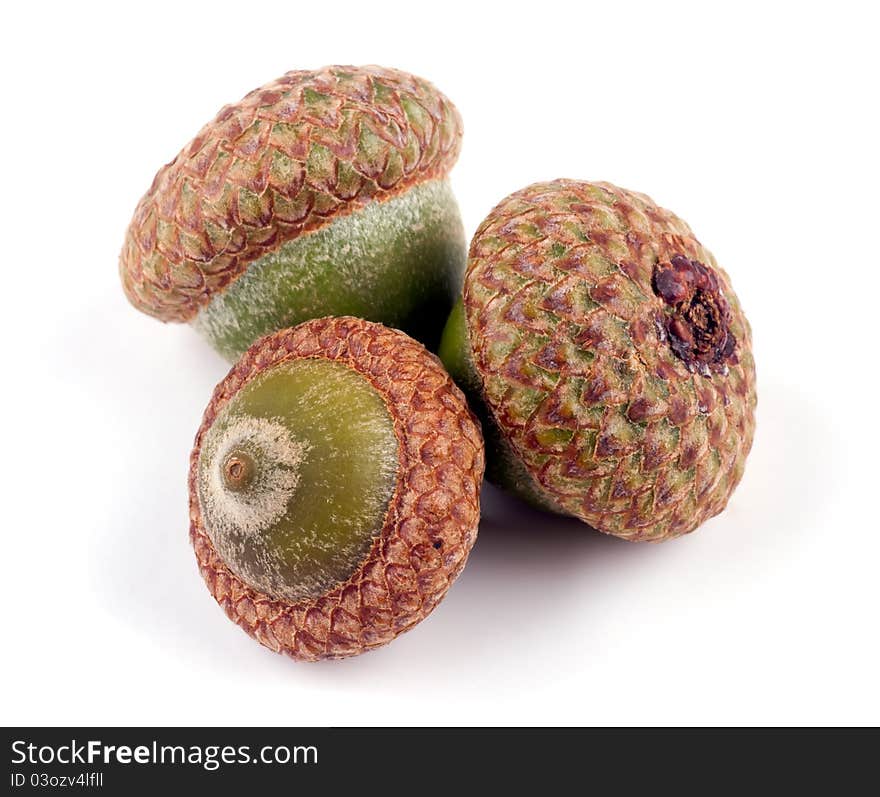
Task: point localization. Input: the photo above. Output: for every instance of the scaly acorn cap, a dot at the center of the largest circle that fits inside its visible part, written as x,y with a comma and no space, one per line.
613,358
312,545
288,159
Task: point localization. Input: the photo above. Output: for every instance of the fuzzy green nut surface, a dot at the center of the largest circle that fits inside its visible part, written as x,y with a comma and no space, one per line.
608,357
322,193
399,262
295,475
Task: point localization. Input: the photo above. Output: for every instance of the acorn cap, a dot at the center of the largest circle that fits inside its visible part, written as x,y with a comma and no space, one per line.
428,524
613,355
285,160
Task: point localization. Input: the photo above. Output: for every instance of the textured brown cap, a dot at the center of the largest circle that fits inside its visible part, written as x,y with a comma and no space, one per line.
287,159
431,521
620,419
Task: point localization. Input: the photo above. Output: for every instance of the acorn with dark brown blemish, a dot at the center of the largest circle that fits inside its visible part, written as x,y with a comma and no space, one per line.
334,488
608,358
697,318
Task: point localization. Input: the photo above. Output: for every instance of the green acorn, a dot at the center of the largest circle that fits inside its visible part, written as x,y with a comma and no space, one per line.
334,488
322,193
608,358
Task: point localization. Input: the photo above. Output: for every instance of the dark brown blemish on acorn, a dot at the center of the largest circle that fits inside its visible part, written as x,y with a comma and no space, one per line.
697,319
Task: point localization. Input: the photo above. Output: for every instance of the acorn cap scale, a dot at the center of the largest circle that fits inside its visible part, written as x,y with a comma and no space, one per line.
609,357
321,193
334,488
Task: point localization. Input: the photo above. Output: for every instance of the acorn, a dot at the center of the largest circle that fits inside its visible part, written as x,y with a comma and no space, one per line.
322,193
334,488
608,357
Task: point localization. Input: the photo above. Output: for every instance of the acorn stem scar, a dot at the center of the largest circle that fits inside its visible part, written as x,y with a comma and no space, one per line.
239,469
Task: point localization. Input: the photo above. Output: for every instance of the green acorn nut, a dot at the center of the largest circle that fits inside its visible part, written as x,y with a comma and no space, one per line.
608,357
334,488
322,193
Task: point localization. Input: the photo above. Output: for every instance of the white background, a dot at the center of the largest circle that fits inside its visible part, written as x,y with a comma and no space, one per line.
756,123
